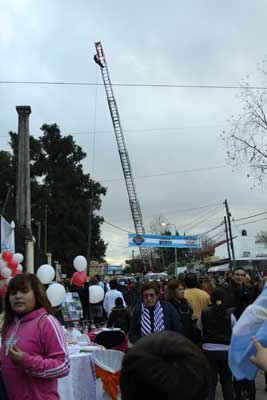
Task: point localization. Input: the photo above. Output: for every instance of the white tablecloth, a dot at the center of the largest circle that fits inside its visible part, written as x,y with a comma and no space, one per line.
80,383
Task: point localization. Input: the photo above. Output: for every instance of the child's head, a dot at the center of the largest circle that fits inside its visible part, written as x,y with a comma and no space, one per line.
24,293
165,366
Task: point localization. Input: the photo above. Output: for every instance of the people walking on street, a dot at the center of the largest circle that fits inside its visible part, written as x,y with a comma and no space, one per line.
120,316
153,315
111,296
175,296
216,323
237,294
197,298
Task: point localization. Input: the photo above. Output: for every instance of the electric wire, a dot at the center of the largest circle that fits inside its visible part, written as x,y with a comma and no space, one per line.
154,85
212,229
252,222
250,216
165,173
148,130
206,218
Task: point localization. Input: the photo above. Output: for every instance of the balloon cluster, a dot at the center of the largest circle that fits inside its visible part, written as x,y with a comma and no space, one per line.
9,267
79,277
55,292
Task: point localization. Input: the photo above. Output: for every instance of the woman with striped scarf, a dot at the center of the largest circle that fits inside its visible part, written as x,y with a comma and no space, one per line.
153,315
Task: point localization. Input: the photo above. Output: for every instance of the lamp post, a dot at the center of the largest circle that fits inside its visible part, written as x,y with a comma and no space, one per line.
175,249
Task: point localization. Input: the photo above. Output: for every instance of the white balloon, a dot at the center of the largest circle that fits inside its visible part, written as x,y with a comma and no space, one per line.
18,257
5,272
20,267
46,273
96,294
80,263
56,294
3,263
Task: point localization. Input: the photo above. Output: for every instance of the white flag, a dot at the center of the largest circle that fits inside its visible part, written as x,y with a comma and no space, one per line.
7,236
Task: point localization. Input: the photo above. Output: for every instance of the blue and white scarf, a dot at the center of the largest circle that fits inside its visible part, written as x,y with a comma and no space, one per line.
158,319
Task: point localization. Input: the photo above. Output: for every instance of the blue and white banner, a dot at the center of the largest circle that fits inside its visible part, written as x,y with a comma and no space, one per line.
181,242
7,236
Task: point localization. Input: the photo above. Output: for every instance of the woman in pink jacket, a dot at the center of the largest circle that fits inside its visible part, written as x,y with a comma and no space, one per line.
33,353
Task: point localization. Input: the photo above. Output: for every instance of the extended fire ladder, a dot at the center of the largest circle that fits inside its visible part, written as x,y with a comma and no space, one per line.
125,161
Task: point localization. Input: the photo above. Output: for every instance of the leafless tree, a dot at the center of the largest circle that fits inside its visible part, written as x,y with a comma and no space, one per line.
246,137
158,224
206,242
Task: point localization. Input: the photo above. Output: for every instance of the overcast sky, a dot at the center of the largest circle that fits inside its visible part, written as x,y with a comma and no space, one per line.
169,131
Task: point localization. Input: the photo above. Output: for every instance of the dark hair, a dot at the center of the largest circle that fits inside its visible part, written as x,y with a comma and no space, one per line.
216,295
113,284
239,268
118,302
20,282
163,366
190,280
150,285
94,281
217,299
173,284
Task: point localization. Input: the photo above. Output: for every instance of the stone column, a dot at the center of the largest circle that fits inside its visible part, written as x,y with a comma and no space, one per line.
23,193
23,198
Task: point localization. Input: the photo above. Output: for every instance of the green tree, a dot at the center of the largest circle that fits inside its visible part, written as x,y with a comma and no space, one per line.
59,183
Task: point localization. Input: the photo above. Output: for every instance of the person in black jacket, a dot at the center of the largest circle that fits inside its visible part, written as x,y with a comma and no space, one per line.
216,322
175,296
153,315
120,316
237,294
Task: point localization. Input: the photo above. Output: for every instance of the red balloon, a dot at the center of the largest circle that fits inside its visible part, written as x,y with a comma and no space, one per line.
7,256
13,264
79,278
3,291
15,272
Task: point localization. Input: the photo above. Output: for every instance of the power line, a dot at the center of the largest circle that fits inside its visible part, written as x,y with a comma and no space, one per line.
200,220
116,227
172,212
156,85
251,216
148,130
166,173
252,222
212,229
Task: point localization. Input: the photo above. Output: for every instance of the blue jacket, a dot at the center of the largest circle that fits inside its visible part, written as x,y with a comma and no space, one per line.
172,321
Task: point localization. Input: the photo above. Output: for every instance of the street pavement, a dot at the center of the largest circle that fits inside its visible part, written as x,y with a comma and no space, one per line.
260,386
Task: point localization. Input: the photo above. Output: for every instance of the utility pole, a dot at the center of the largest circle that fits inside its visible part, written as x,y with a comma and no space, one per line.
227,238
228,215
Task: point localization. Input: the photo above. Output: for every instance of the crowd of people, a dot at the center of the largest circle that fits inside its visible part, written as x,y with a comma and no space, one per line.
179,330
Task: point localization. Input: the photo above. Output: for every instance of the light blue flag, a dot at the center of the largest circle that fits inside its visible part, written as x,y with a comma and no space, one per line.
253,322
